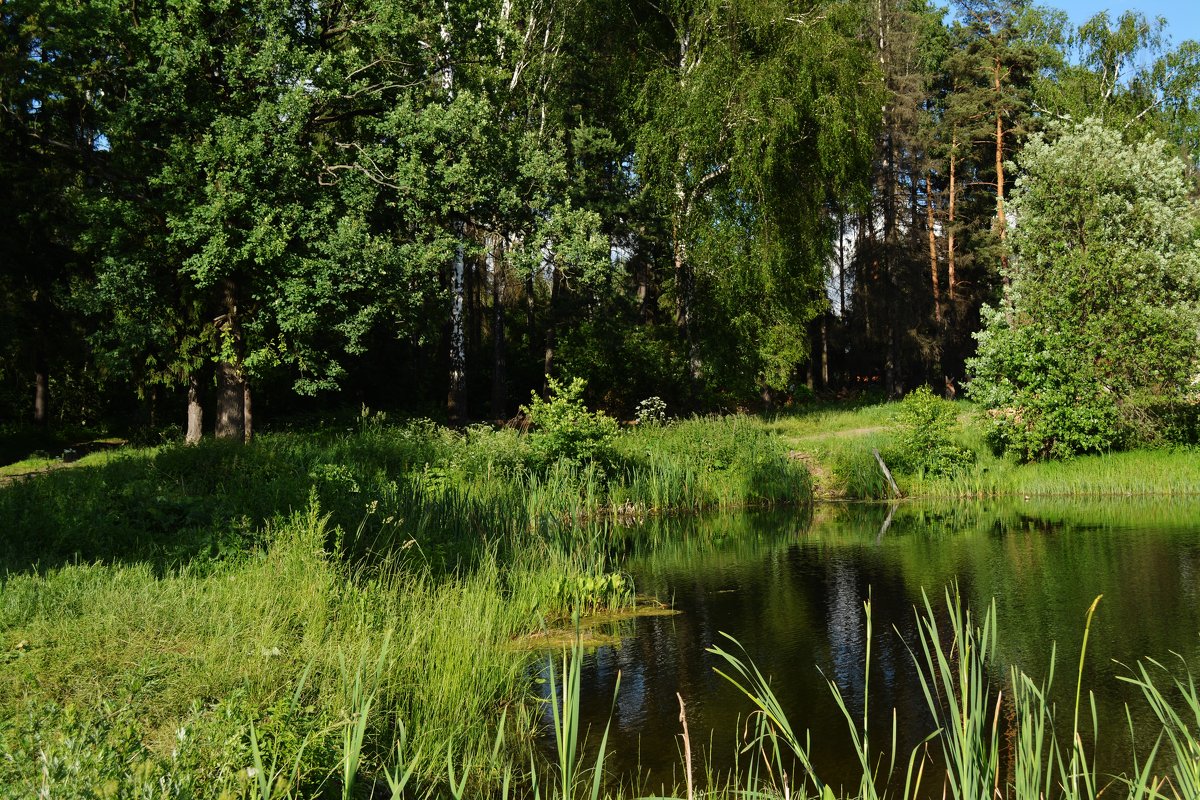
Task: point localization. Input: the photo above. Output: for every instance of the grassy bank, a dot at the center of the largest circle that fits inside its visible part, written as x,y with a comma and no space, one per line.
837,441
446,493
174,621
122,682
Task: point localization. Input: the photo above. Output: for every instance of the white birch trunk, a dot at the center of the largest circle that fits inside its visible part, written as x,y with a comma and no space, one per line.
456,399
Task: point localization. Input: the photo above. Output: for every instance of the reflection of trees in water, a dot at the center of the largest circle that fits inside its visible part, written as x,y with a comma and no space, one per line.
846,632
794,599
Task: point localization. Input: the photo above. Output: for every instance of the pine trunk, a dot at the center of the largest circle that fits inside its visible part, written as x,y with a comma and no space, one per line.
933,260
950,276
1001,220
248,422
41,392
891,356
824,352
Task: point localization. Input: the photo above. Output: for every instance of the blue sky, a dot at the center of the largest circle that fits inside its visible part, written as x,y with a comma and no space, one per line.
1183,16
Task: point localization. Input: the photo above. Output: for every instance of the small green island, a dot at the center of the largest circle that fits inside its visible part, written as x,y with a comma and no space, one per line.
529,399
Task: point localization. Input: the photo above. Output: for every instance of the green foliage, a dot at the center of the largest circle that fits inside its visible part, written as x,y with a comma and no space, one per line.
592,592
749,128
624,364
1098,323
383,485
564,429
923,438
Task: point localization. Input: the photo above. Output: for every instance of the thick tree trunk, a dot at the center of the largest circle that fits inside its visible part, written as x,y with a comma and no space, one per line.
933,259
231,400
231,389
195,412
499,379
41,392
456,396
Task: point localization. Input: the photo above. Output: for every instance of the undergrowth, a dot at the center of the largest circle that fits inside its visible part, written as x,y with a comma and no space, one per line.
183,621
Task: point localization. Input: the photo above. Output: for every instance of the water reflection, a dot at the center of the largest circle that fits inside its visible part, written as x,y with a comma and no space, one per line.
790,589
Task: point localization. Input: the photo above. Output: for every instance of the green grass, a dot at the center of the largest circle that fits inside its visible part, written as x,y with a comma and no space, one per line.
315,614
285,676
171,670
34,465
183,621
447,495
840,442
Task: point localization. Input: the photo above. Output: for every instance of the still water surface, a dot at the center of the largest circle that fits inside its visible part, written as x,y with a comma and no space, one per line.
790,587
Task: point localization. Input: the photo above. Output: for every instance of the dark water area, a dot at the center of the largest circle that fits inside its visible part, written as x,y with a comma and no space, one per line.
790,588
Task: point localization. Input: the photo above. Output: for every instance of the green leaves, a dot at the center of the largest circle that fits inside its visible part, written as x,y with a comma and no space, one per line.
564,429
1096,334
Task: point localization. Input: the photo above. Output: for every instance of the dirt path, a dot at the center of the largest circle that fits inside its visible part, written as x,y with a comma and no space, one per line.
825,485
846,434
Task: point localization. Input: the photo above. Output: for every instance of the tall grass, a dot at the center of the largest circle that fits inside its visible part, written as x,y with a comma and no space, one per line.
276,618
454,495
292,674
324,661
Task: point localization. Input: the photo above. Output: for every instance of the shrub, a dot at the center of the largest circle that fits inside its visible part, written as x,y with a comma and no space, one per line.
564,429
923,441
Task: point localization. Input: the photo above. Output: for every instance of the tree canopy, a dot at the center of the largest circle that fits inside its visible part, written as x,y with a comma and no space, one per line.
1096,338
268,206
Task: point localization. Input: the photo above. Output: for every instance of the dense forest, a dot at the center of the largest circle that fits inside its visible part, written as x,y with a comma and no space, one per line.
216,206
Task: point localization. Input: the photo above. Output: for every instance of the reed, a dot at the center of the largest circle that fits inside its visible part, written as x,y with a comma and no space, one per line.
954,660
329,682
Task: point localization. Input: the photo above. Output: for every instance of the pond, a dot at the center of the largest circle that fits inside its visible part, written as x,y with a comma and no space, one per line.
790,588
